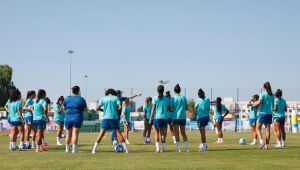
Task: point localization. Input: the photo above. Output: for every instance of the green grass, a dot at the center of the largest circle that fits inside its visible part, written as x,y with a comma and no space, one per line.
231,155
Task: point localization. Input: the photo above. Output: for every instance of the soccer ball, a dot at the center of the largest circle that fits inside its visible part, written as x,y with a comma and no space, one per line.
203,147
147,140
119,148
242,141
63,135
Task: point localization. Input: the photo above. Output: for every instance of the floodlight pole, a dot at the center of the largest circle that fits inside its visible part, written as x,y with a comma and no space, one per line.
70,52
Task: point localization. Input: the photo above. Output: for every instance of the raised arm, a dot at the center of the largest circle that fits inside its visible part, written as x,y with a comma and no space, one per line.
134,96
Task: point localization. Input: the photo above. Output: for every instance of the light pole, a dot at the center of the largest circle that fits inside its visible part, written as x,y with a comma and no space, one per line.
85,83
70,52
161,82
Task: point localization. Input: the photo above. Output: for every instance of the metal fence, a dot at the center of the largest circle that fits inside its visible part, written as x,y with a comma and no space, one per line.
237,94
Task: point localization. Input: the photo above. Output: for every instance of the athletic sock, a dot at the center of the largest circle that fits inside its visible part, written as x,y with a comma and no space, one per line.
261,141
163,147
75,149
67,148
125,147
222,139
21,145
157,146
178,145
254,140
43,142
95,147
186,145
279,143
219,139
283,142
14,145
174,139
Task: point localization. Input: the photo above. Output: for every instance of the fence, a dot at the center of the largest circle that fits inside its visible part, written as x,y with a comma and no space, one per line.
236,94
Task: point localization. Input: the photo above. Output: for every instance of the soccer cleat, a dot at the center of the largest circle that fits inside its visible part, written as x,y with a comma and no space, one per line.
115,142
28,146
186,150
93,151
46,144
277,146
67,151
219,143
262,146
253,143
179,151
39,150
58,143
75,151
266,147
22,148
45,150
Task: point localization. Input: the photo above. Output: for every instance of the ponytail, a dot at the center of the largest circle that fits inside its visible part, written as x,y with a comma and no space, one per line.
177,89
268,88
160,90
41,94
28,95
201,94
219,104
278,94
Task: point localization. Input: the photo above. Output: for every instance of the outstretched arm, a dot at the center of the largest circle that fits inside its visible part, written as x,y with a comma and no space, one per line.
137,95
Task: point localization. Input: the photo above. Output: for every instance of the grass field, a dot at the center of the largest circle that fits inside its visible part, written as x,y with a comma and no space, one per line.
231,155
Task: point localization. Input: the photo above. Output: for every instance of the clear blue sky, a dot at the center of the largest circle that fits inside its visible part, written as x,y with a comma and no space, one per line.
134,43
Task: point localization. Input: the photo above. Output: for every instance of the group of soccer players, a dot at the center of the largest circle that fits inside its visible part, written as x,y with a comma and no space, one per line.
160,111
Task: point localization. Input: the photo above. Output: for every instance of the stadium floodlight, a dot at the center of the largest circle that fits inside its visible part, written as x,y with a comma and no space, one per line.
70,52
85,83
161,82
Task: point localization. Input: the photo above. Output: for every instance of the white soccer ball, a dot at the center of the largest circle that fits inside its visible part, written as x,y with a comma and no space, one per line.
242,141
148,140
119,148
203,147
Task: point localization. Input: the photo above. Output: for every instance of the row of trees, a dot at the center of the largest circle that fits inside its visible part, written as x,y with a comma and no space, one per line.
6,84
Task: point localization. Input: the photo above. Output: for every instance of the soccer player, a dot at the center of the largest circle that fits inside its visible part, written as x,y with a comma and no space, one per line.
111,104
168,95
179,106
253,118
59,119
265,104
29,119
40,118
280,107
219,109
202,106
147,108
126,119
159,113
16,119
119,94
75,105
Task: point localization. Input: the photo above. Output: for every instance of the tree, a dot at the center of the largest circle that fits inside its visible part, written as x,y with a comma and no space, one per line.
6,83
191,108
